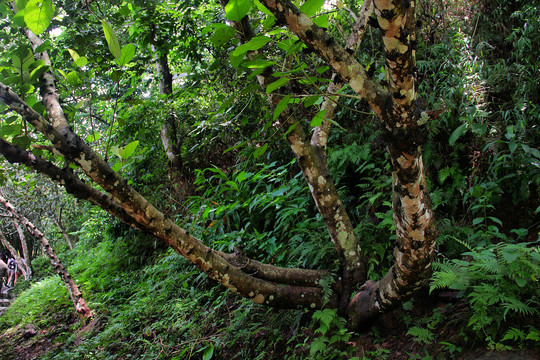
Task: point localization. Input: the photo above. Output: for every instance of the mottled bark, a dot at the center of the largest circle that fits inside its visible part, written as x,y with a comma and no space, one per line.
396,108
312,158
75,294
153,221
66,178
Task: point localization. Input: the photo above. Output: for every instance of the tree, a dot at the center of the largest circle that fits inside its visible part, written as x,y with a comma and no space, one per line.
393,101
75,294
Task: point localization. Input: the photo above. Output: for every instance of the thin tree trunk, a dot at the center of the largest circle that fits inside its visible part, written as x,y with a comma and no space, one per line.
75,294
64,233
15,254
27,257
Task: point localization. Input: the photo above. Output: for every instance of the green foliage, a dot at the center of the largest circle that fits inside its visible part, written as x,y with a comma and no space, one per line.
288,233
43,305
333,340
500,283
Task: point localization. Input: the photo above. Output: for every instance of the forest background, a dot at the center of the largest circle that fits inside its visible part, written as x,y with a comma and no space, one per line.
167,94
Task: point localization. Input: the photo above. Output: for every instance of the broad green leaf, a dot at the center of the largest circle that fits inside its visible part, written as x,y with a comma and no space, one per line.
310,7
460,130
235,10
10,130
208,352
478,220
512,146
46,45
21,4
38,15
129,149
260,151
312,100
116,151
236,59
73,78
63,73
263,8
318,119
73,54
82,61
126,55
258,64
281,106
112,40
116,167
222,34
322,21
92,138
276,85
253,44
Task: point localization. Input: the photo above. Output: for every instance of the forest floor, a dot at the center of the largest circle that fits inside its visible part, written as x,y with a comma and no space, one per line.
28,343
387,338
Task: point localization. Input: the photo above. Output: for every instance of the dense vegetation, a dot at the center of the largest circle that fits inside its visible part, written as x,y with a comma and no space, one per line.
233,182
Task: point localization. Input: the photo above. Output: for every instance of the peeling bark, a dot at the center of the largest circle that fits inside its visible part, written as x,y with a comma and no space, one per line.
75,294
395,107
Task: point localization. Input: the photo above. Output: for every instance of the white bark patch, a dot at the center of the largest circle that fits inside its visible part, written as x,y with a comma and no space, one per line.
357,83
304,21
86,165
391,43
322,180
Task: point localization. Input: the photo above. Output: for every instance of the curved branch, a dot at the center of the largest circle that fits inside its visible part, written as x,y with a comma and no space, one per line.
154,221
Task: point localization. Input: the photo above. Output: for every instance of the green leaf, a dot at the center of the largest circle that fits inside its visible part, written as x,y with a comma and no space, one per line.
310,7
37,72
10,130
276,84
322,21
312,100
253,44
208,352
282,104
129,149
38,15
318,119
258,64
82,61
477,220
512,146
116,167
112,40
460,130
235,10
73,54
222,34
126,55
260,151
46,45
236,59
73,78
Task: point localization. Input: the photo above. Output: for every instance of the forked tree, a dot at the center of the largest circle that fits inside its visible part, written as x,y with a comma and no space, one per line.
393,101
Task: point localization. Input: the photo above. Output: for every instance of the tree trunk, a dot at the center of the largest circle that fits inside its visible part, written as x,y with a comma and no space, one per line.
64,232
75,294
15,254
26,255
